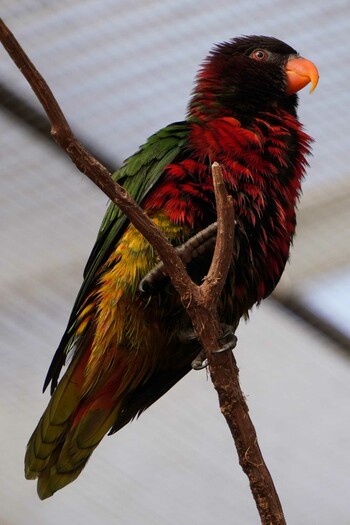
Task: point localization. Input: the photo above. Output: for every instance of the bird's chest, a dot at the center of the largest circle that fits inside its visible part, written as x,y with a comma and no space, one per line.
262,172
259,169
257,161
262,168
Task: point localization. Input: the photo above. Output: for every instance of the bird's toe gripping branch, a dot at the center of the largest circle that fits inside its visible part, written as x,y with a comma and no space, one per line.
228,340
197,245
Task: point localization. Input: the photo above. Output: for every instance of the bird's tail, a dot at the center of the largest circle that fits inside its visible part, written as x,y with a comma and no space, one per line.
70,429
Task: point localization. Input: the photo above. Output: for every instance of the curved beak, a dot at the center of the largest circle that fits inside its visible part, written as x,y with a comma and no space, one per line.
300,72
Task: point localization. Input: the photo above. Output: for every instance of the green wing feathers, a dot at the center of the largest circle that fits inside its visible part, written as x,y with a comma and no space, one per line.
87,401
138,174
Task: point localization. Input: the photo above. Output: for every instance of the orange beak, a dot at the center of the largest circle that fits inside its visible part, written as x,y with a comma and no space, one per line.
300,72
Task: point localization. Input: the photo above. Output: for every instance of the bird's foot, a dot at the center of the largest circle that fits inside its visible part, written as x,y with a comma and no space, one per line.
200,243
228,339
154,280
200,361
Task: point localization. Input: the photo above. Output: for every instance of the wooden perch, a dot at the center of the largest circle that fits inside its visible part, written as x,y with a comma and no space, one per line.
200,301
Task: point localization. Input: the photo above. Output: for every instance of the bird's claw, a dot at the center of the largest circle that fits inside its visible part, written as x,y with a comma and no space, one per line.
200,362
228,338
154,277
199,244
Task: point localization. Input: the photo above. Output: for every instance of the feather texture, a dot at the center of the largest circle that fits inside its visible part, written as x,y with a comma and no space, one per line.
124,345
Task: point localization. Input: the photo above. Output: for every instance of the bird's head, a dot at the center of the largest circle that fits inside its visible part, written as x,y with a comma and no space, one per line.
250,74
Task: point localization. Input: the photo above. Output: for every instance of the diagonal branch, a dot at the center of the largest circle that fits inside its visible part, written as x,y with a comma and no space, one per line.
85,162
200,301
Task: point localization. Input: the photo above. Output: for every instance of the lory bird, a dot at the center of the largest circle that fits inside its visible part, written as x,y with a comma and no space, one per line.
126,344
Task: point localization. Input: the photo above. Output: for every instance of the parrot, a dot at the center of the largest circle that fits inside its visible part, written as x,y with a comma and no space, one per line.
125,345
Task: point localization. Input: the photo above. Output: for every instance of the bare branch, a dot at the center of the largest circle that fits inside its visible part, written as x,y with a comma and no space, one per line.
223,252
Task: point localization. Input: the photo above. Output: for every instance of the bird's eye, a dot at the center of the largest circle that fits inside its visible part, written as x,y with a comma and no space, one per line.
260,54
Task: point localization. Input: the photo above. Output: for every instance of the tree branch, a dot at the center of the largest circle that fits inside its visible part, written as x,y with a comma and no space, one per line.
200,301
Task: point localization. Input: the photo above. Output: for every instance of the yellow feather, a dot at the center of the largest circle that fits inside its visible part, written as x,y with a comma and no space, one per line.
119,314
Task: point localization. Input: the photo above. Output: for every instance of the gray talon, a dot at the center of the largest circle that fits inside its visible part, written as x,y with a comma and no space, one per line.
200,362
156,275
230,345
200,243
228,338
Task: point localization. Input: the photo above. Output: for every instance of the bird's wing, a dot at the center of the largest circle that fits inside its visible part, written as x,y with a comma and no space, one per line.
138,175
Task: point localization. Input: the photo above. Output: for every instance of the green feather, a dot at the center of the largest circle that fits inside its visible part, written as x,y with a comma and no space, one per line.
138,175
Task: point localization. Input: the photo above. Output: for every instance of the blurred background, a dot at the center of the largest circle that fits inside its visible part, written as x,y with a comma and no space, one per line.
121,70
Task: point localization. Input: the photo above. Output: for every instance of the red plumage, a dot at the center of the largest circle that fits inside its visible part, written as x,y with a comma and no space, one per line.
126,343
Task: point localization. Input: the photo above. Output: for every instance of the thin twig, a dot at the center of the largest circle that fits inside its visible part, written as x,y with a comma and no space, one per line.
201,307
216,278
